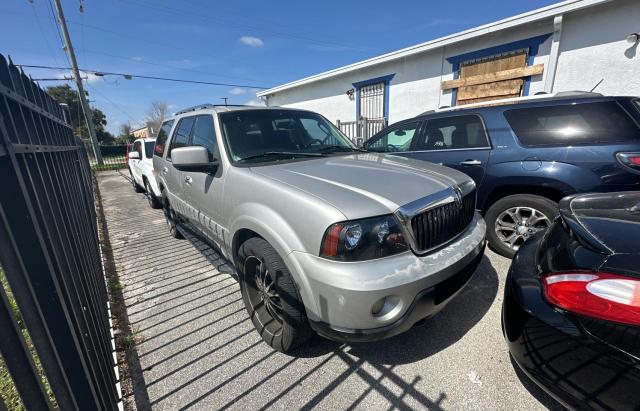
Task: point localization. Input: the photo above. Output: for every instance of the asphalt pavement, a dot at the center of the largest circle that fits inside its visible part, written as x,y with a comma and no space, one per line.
198,349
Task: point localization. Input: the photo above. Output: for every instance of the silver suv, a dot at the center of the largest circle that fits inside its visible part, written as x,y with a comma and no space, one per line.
355,246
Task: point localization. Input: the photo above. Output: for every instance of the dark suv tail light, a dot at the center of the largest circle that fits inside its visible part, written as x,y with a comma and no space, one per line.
600,295
631,160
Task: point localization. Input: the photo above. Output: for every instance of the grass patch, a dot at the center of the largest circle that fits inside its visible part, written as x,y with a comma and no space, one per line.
8,391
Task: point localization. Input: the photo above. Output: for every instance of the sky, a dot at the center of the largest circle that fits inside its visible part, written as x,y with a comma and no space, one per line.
245,44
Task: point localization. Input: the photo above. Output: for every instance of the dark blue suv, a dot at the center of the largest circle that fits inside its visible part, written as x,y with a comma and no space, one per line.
526,155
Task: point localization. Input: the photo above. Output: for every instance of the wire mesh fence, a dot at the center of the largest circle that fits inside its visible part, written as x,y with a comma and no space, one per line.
51,257
113,157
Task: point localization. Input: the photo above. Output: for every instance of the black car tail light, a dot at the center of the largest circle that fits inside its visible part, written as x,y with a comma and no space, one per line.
631,160
605,296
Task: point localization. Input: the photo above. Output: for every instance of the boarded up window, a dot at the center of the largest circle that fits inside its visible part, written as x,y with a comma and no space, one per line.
492,78
494,90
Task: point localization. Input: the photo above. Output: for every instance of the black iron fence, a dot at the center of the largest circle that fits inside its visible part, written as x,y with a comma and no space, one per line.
113,157
51,256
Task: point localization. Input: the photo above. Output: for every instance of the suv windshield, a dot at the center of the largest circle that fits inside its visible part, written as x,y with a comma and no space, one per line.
269,135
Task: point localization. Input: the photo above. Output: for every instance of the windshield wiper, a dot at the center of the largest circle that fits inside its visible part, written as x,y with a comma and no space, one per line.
339,148
287,154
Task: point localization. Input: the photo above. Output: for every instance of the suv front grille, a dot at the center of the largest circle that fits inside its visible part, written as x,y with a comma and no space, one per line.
439,225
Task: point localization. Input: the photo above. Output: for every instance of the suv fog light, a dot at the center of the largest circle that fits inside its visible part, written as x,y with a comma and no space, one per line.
377,306
386,306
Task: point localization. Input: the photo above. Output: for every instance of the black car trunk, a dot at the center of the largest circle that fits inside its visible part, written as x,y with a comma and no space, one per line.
597,232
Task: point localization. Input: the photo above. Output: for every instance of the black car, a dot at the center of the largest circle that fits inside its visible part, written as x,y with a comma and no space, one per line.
571,313
527,155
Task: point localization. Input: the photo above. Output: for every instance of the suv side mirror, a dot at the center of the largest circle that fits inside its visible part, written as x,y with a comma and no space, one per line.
134,155
194,158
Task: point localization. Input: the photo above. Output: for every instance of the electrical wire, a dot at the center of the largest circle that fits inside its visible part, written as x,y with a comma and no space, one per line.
116,106
44,36
127,76
156,64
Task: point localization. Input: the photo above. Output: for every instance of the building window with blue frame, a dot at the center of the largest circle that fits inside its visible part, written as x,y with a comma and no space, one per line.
372,98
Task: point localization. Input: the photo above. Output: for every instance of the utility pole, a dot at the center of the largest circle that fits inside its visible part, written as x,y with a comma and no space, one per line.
225,100
76,74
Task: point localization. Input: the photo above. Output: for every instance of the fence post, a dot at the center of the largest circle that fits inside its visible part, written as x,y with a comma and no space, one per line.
365,126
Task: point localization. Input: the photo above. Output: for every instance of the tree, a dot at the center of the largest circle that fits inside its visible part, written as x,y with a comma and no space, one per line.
126,136
156,115
65,94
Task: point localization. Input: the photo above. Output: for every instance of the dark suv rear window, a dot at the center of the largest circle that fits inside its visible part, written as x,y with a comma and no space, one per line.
588,123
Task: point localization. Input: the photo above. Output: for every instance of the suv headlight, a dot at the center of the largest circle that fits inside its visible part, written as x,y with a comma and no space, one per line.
364,239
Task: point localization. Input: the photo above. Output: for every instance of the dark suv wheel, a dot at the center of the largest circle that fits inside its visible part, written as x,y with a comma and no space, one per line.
514,219
270,296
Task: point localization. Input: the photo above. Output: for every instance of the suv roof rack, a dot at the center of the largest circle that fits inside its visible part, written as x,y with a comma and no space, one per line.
207,105
515,100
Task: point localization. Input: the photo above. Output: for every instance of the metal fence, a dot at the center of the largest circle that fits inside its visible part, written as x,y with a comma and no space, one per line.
361,130
51,256
113,157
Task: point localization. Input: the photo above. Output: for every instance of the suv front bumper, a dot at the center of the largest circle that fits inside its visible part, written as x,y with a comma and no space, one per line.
339,296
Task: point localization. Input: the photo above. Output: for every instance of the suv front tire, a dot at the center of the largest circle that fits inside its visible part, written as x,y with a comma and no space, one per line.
270,296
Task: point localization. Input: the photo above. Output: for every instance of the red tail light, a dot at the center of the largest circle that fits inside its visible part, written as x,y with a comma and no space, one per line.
631,160
606,296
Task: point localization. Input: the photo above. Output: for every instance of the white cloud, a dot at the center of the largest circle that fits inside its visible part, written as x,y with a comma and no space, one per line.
251,41
255,102
237,90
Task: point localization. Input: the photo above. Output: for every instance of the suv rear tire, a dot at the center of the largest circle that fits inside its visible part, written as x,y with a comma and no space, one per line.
170,217
153,200
515,218
135,185
270,296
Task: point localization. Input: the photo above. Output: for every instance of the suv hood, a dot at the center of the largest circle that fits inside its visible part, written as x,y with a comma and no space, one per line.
609,223
366,184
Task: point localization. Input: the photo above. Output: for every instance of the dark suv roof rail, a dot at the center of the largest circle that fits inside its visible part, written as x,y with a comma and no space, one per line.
516,100
576,93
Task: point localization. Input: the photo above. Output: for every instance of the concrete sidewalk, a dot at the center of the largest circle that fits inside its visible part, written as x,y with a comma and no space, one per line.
199,350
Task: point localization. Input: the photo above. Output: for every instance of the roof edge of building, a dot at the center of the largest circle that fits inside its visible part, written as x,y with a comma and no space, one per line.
564,7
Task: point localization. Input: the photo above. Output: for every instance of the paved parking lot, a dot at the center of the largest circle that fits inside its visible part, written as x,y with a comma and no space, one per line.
198,349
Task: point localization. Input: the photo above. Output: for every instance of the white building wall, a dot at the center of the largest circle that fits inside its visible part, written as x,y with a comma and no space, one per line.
592,47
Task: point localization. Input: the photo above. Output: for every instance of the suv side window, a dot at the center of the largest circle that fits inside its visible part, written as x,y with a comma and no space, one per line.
395,140
204,134
161,140
458,132
181,134
587,123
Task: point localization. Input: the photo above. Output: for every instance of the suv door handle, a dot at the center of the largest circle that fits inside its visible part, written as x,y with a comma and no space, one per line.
471,163
188,180
164,170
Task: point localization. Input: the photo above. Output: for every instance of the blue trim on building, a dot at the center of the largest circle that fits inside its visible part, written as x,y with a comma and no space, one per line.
359,84
532,44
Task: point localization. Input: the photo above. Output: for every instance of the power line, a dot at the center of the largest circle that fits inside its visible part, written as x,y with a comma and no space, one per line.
129,76
156,64
116,106
44,36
